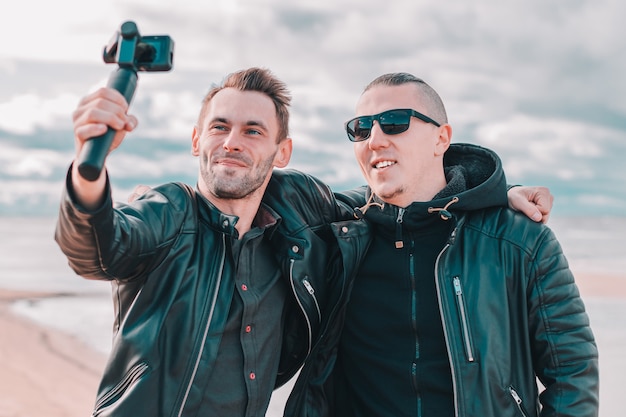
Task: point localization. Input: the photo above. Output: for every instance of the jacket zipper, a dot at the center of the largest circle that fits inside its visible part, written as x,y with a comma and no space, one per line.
463,313
306,317
518,400
399,219
311,291
455,389
206,328
416,337
131,376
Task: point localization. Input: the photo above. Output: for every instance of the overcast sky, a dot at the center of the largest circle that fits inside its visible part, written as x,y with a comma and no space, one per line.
540,82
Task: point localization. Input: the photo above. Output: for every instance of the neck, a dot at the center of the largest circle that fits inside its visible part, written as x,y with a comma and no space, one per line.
244,208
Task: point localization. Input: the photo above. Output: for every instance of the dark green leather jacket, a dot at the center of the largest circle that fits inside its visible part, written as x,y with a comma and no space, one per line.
165,257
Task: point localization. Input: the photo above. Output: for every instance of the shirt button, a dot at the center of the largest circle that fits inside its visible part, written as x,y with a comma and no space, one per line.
252,375
295,249
248,329
244,287
344,229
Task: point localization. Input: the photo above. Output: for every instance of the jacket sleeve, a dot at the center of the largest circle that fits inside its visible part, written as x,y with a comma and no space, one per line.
117,243
564,349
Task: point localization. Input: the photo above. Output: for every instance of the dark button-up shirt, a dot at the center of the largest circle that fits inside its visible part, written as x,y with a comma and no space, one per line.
244,374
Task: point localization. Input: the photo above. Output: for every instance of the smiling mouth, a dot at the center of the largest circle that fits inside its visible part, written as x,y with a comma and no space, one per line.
383,164
230,162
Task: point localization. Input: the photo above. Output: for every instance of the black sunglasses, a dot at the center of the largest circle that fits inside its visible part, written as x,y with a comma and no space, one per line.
391,122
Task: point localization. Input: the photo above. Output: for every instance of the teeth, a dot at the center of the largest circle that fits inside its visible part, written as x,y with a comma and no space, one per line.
383,164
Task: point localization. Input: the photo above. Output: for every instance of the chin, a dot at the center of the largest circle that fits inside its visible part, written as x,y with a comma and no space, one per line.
388,194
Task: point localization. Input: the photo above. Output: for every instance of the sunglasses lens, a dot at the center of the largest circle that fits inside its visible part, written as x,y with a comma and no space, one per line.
394,121
359,129
391,122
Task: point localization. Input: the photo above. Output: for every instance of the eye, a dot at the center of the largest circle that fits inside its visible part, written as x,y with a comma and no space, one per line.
218,128
253,132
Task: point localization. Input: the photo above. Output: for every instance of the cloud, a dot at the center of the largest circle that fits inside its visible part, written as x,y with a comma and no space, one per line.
26,112
539,82
561,149
31,162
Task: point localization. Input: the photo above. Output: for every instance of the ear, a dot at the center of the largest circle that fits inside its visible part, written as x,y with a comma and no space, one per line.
284,153
444,139
195,142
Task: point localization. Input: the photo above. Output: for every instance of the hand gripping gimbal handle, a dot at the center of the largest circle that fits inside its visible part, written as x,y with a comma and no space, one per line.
94,151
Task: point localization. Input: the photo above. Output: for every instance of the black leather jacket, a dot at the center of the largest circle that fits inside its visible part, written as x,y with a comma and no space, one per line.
508,302
165,257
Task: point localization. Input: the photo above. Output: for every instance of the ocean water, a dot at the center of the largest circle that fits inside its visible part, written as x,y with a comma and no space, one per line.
30,260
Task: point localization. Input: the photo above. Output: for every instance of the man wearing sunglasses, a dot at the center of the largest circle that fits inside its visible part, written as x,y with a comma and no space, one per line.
459,305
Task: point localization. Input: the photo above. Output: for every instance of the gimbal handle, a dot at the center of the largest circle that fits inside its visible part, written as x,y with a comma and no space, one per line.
94,151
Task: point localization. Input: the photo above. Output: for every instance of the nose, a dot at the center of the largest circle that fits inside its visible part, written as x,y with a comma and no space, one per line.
378,139
232,142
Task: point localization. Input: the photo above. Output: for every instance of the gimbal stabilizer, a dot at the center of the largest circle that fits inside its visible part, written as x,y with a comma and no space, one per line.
132,53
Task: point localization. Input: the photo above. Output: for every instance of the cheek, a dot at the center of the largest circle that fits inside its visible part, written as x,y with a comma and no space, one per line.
209,145
360,153
362,159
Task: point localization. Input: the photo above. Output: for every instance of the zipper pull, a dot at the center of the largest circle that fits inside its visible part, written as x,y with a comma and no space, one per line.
515,396
518,400
308,286
399,242
457,286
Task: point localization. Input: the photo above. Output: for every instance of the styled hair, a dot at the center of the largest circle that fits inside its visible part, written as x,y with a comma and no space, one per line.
434,105
263,81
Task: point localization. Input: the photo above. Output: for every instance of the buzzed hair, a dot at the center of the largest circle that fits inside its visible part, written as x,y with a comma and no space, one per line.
434,105
263,81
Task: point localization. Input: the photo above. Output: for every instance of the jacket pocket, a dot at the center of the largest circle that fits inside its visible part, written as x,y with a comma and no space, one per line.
464,320
115,393
518,401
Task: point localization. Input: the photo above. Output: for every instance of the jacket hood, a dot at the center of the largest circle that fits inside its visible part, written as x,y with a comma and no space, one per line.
475,180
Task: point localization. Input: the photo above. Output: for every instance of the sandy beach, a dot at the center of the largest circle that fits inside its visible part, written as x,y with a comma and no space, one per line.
47,372
43,371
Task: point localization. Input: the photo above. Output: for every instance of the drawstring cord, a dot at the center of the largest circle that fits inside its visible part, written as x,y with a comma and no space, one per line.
443,212
359,212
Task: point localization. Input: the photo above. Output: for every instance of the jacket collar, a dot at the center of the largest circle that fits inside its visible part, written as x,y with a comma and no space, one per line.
266,218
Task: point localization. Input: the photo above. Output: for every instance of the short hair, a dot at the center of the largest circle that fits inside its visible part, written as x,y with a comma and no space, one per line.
434,105
256,79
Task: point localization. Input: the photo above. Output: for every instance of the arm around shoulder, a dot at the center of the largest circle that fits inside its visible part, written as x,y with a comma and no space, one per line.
301,198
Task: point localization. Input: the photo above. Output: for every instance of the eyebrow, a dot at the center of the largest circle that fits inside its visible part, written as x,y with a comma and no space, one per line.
248,123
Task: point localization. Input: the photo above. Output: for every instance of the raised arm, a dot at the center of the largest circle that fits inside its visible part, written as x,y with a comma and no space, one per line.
95,112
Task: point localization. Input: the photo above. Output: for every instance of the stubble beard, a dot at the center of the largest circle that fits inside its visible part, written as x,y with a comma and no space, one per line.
389,194
231,184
